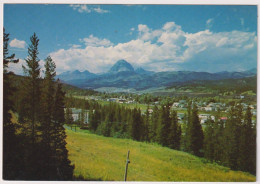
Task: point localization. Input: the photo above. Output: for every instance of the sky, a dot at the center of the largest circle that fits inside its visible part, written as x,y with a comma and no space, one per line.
210,38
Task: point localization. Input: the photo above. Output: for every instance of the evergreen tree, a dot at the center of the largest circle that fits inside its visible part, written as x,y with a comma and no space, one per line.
68,116
164,126
184,137
47,124
10,140
247,145
95,119
29,116
136,125
232,134
32,86
63,167
195,138
174,132
147,125
209,146
219,141
154,124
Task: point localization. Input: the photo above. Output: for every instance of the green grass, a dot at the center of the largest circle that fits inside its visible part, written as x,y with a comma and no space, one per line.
102,158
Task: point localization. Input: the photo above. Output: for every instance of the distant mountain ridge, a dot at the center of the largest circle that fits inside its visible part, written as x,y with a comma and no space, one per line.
121,66
123,75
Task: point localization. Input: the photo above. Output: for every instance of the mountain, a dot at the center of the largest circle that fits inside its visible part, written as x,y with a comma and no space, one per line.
121,66
252,71
123,75
143,71
75,75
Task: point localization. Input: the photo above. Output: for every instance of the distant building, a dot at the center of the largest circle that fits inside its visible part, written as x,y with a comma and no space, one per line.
204,117
112,99
180,116
224,119
76,112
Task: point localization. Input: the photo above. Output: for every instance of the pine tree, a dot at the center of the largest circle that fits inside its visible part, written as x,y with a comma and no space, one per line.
136,125
29,114
147,125
247,145
154,124
209,146
64,169
219,141
32,86
174,132
47,124
232,134
68,116
163,126
195,139
10,141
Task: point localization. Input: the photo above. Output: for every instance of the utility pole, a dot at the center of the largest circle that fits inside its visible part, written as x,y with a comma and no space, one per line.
126,166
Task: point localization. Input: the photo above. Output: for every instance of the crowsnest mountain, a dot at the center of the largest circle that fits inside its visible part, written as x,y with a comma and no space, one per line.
121,66
123,75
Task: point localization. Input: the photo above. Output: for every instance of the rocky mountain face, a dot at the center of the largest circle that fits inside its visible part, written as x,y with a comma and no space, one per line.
123,75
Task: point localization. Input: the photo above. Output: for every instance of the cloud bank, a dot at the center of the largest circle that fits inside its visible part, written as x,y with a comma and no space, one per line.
88,9
17,44
167,48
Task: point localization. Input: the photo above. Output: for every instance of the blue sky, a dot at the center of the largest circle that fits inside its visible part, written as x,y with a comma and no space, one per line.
155,37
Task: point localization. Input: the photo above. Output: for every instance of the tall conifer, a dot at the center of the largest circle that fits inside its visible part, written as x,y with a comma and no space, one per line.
10,164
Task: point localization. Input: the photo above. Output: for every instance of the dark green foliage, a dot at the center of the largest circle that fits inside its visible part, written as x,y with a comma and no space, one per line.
136,125
247,144
232,133
164,125
209,140
10,140
154,123
95,119
47,124
194,133
31,89
68,116
64,169
233,143
40,148
174,132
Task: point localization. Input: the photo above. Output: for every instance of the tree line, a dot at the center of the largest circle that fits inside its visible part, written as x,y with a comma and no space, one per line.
34,147
231,143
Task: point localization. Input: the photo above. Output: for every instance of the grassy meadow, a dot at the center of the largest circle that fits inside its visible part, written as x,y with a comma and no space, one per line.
103,158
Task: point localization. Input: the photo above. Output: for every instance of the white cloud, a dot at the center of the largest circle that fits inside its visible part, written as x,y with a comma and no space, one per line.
209,23
99,10
18,69
76,46
18,43
83,8
167,48
143,28
242,21
96,42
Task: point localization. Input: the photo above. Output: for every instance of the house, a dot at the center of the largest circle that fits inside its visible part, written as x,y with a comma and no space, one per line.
121,100
204,117
175,104
208,108
224,119
180,116
112,99
76,112
182,101
150,111
254,112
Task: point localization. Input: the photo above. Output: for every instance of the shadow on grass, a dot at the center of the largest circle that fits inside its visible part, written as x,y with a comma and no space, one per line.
82,178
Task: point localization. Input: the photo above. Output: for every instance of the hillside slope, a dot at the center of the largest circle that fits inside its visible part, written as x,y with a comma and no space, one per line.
101,158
